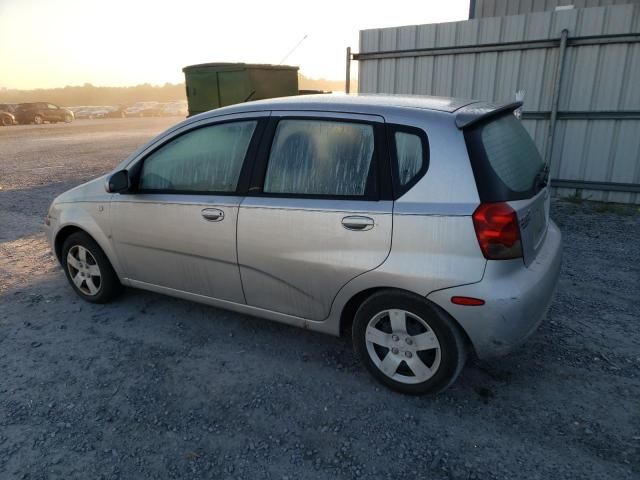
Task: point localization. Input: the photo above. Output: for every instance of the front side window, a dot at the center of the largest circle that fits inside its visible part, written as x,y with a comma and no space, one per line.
208,159
320,157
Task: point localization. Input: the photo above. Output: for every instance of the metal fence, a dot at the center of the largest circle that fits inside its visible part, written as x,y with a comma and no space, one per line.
594,145
501,8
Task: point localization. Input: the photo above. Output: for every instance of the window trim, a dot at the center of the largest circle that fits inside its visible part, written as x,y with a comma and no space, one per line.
377,187
243,180
392,129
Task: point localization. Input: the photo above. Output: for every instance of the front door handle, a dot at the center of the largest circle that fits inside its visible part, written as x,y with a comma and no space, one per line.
358,223
212,214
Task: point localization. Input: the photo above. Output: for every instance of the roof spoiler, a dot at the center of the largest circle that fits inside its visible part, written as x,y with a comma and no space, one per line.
476,112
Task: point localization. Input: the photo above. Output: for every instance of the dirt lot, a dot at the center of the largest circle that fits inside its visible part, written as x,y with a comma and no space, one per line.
154,387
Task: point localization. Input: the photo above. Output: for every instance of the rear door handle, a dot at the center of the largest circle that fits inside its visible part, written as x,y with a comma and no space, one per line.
358,223
212,214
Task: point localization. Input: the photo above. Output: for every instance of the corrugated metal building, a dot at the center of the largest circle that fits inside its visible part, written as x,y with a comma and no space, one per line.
595,149
501,8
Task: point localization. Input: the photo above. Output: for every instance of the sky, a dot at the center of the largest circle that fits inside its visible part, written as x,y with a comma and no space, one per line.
53,43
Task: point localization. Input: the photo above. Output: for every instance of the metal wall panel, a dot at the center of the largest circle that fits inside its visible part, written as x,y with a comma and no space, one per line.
499,8
596,78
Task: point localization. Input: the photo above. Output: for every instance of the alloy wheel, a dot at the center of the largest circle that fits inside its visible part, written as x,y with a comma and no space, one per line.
84,270
403,346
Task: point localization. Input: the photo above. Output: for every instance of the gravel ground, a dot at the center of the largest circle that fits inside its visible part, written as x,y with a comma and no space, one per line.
154,387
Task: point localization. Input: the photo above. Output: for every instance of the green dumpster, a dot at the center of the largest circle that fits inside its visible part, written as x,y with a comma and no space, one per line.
214,85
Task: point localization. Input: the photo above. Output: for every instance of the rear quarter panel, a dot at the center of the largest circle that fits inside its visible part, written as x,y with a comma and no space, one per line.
434,245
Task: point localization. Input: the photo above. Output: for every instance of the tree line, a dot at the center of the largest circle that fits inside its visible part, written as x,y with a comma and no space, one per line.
88,94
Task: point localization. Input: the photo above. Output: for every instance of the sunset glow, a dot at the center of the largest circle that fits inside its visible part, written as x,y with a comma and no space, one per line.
124,42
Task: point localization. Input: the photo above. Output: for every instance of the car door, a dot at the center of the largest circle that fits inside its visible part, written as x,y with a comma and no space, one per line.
50,112
319,211
178,229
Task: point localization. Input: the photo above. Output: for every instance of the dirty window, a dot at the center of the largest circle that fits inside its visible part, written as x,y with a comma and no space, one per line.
511,152
318,157
208,159
410,156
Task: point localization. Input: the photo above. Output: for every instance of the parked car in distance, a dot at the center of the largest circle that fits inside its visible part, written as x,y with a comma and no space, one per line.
143,109
171,109
6,114
40,112
81,112
114,111
418,225
107,111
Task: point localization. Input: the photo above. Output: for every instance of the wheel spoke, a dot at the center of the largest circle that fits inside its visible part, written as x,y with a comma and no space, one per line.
390,364
398,321
418,367
82,254
94,270
77,279
378,337
73,261
425,341
91,286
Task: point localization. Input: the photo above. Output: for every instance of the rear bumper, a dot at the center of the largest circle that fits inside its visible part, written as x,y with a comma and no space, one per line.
516,299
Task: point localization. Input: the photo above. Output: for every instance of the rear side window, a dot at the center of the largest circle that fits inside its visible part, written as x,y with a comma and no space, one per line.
320,157
208,159
504,159
410,152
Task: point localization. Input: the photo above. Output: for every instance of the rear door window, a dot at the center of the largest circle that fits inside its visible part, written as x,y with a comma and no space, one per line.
505,160
321,158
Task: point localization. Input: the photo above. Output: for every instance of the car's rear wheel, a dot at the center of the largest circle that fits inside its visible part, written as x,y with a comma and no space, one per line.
88,269
407,343
6,120
38,120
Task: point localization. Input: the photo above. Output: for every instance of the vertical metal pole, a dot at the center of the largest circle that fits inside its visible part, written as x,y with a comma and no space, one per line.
556,96
347,80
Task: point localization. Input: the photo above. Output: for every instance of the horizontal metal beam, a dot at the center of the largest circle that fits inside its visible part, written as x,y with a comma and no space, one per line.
499,47
604,186
584,115
430,52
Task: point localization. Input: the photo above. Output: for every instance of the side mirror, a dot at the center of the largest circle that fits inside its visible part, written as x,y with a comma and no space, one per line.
119,182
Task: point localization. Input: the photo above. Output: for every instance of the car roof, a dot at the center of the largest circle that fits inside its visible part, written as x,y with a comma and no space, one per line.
363,103
354,101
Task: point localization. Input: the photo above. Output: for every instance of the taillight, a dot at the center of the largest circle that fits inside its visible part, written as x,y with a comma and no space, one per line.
497,230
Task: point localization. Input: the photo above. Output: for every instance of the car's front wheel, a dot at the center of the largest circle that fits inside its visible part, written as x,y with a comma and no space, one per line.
68,118
88,269
407,343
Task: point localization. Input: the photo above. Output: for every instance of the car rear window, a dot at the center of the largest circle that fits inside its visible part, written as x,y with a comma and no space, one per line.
505,161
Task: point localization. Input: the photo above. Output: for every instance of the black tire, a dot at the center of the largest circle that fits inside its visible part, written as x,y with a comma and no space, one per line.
109,284
452,352
68,119
6,120
38,120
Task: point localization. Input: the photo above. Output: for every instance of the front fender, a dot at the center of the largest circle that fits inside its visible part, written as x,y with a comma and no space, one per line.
93,218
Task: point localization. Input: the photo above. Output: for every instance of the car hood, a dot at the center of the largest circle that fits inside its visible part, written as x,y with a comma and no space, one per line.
92,191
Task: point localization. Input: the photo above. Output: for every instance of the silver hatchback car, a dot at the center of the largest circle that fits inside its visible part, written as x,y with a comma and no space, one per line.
418,225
